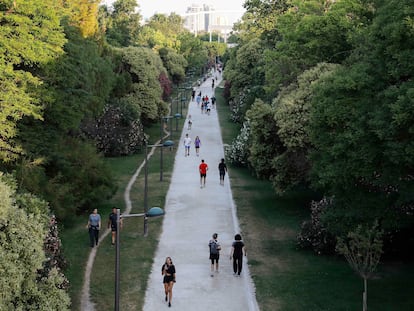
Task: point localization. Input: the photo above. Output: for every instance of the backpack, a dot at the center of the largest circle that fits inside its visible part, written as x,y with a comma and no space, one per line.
214,248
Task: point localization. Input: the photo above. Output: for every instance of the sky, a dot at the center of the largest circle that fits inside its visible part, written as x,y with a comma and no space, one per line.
148,8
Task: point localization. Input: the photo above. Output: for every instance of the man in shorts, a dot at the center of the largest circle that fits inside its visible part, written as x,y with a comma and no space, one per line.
215,247
187,145
203,168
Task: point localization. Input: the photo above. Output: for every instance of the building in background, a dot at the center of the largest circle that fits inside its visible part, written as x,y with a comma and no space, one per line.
205,18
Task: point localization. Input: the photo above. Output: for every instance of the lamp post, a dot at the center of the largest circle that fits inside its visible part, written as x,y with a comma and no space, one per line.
167,143
177,116
183,100
153,212
166,120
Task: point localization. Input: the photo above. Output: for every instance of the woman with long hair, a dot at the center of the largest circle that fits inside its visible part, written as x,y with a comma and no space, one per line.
168,271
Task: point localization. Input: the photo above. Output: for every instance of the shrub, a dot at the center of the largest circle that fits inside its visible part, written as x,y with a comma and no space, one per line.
314,234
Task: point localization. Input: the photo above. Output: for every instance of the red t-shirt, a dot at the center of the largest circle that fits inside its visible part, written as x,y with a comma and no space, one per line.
203,168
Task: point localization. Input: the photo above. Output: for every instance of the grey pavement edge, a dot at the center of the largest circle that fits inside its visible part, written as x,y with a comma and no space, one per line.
193,214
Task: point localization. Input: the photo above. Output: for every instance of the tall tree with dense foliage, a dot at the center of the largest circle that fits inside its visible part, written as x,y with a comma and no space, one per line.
122,23
30,36
362,126
76,87
292,114
175,64
162,31
23,228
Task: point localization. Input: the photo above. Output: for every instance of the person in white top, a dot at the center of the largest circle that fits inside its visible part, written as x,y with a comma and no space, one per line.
187,145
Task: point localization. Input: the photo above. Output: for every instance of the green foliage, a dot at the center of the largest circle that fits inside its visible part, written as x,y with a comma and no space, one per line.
192,49
21,22
292,115
122,24
22,257
174,63
76,87
215,49
162,31
83,16
340,76
260,20
264,141
362,126
144,68
314,233
362,249
78,83
312,32
245,69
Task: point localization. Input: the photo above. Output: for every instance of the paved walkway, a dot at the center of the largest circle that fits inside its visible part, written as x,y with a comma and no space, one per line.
192,216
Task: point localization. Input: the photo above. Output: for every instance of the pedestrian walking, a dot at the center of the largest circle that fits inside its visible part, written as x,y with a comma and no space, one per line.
112,223
222,171
208,107
197,144
213,102
193,94
94,225
215,247
187,145
237,251
198,100
190,123
168,271
203,168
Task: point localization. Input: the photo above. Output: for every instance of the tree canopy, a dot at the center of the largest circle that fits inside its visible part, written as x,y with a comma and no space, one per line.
336,77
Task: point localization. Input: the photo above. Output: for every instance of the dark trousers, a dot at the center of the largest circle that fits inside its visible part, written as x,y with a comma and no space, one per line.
93,236
237,264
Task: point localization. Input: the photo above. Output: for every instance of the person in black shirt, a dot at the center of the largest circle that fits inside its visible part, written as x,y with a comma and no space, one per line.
113,225
168,271
222,170
237,251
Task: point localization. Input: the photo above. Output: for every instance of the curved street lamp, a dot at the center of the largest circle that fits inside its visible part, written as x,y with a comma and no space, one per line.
167,143
152,212
177,116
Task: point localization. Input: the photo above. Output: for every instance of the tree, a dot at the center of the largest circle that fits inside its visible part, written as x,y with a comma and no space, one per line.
83,15
22,232
22,21
122,24
193,50
260,20
264,141
362,249
292,115
311,32
162,31
174,63
362,126
75,88
145,95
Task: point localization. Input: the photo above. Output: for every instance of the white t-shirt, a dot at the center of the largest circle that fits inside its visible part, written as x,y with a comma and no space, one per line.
187,142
